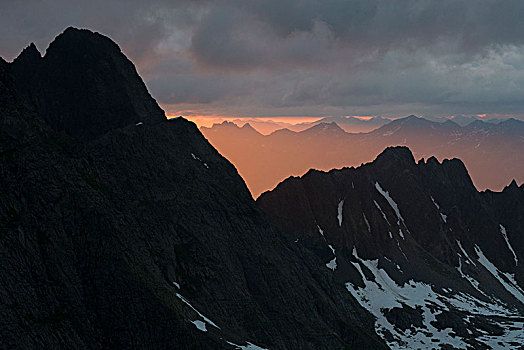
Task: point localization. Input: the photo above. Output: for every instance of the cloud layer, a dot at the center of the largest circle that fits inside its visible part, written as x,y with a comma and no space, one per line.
304,58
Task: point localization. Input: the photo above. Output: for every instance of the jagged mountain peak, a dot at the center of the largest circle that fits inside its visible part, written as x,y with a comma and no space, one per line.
84,86
324,127
513,187
248,127
30,53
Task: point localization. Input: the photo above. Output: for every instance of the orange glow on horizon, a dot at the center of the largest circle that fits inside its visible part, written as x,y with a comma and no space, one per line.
361,117
209,120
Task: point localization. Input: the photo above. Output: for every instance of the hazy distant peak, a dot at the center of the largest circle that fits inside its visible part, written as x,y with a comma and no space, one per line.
450,122
248,126
226,123
283,131
512,122
324,128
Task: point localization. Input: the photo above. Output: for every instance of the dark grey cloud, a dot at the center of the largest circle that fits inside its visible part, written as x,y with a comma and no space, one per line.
303,57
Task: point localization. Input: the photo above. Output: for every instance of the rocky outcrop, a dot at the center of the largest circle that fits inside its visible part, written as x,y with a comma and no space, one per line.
122,229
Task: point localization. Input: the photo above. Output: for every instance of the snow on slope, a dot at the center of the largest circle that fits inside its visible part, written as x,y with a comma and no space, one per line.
393,205
249,346
339,216
207,320
505,235
510,285
384,294
443,216
332,265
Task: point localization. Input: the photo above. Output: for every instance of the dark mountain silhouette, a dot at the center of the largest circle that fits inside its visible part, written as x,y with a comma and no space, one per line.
435,261
493,153
84,85
122,229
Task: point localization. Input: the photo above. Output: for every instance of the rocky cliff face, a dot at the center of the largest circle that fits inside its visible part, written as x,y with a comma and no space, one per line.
435,261
121,229
84,85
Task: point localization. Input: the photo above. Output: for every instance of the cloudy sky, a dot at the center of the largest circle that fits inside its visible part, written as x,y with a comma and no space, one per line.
254,58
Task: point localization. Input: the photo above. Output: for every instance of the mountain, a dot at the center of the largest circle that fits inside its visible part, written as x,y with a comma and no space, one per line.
350,124
492,153
437,263
122,229
268,126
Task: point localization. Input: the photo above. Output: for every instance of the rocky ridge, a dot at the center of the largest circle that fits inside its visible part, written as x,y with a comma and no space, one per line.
434,260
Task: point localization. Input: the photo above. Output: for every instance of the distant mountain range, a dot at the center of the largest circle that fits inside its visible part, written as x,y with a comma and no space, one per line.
349,124
493,153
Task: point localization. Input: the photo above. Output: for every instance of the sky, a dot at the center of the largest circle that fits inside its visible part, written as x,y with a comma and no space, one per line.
251,58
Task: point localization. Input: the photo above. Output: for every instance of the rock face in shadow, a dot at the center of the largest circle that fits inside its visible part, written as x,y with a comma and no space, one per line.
121,229
84,85
412,240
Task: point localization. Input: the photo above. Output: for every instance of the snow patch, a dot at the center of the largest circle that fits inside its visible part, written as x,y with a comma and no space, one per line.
384,293
200,160
249,346
200,325
367,222
512,287
207,320
176,285
470,279
465,253
393,205
321,231
332,265
383,215
505,235
339,216
443,216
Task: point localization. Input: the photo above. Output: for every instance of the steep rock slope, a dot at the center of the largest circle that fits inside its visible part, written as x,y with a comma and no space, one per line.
435,261
121,229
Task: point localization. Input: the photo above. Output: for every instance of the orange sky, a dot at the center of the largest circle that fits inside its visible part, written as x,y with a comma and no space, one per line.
209,120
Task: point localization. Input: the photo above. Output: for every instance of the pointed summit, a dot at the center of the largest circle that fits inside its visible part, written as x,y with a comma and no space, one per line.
29,54
330,127
84,85
249,128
